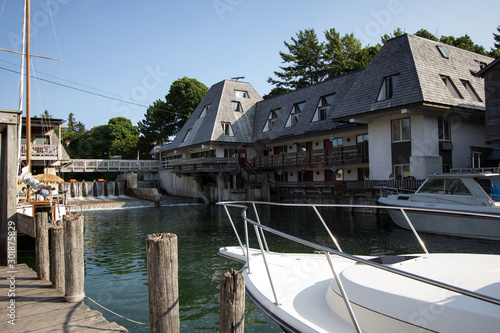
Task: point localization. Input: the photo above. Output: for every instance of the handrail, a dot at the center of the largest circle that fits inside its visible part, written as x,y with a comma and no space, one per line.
262,227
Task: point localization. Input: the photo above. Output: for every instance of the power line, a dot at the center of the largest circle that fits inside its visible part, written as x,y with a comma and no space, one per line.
78,89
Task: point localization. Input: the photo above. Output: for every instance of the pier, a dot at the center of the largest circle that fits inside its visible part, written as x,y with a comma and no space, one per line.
34,306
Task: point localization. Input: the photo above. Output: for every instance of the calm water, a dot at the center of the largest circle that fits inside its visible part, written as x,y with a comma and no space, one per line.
115,254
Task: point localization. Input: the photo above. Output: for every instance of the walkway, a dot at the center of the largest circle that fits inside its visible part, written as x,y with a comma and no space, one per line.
110,166
40,308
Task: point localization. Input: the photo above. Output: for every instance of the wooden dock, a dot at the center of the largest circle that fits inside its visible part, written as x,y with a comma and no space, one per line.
40,308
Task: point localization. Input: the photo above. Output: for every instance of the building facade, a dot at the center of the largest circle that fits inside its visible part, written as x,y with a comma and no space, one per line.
417,109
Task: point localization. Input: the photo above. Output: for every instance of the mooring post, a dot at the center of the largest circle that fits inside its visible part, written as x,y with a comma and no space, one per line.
163,288
57,256
232,302
73,258
42,246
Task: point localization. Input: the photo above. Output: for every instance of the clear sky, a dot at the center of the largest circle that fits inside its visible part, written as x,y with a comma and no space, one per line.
131,50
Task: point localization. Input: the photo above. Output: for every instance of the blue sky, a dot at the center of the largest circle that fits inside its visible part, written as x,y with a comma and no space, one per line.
133,50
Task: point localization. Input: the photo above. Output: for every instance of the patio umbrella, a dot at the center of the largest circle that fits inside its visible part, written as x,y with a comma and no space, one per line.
49,178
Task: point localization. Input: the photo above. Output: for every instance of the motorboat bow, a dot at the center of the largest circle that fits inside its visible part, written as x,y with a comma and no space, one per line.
327,290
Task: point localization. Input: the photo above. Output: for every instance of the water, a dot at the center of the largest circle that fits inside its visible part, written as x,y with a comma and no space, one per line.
115,254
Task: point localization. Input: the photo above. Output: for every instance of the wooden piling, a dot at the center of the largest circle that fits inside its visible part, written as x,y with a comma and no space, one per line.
163,289
73,258
42,246
232,302
57,256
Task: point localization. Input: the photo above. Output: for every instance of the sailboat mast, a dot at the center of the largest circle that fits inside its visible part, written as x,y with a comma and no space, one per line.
28,86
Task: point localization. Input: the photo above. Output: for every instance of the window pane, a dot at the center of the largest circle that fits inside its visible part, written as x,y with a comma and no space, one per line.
396,130
406,129
433,186
456,187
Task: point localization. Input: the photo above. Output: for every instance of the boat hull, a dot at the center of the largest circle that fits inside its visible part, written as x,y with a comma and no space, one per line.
453,224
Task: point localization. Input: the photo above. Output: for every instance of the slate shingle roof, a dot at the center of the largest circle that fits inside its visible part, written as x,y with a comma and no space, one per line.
420,66
311,96
208,128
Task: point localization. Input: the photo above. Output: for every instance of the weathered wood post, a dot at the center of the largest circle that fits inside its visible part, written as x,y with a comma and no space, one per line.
163,288
73,258
232,302
42,246
57,256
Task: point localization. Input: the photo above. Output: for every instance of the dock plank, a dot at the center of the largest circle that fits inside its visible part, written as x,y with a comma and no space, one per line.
41,308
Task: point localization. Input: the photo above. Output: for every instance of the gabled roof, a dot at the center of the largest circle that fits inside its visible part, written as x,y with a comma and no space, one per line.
311,95
208,128
488,68
420,66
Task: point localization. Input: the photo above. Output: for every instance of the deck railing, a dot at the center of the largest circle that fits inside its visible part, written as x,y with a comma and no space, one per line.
260,228
92,165
41,150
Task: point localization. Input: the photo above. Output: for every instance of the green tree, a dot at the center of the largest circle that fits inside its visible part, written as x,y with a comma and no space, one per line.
496,37
343,54
276,91
46,115
306,62
123,137
426,34
396,33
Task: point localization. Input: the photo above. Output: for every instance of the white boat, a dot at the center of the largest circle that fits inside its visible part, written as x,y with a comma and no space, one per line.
472,192
327,290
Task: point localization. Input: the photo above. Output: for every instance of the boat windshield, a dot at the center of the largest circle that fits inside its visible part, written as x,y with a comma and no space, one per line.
490,186
450,186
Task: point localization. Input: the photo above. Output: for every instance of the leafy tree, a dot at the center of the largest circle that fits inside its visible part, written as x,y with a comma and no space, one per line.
305,59
164,119
426,34
276,91
46,115
123,138
396,33
183,97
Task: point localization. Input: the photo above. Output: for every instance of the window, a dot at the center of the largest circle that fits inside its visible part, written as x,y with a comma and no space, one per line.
280,149
442,51
231,153
388,87
227,130
481,64
336,142
401,171
271,119
188,134
471,90
339,174
363,173
361,138
293,119
401,130
241,94
204,111
323,106
450,186
444,129
237,106
451,86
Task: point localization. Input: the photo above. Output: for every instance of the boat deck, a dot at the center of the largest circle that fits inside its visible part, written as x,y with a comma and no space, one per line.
40,308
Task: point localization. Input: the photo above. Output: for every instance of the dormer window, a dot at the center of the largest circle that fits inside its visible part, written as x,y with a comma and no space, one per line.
237,106
323,106
271,119
480,64
473,94
442,52
451,86
204,111
293,119
241,94
188,134
227,130
388,87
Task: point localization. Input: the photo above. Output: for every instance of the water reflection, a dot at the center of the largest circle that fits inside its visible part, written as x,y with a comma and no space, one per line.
115,254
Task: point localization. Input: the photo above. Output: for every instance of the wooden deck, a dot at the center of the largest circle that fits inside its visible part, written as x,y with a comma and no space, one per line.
40,308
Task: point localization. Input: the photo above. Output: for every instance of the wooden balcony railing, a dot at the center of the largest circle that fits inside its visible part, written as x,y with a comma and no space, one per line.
330,156
41,150
203,164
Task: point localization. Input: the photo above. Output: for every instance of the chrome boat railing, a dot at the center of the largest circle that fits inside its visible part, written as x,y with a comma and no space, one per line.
260,228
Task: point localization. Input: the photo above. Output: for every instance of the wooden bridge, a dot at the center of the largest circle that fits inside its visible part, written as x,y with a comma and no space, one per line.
87,165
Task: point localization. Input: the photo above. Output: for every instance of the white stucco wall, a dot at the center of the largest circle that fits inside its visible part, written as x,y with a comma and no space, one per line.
466,132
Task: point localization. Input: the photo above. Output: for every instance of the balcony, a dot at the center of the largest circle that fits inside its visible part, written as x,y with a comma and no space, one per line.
357,154
203,164
41,152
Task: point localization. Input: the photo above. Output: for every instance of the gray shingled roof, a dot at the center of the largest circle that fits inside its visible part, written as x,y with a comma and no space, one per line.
420,66
208,128
311,95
